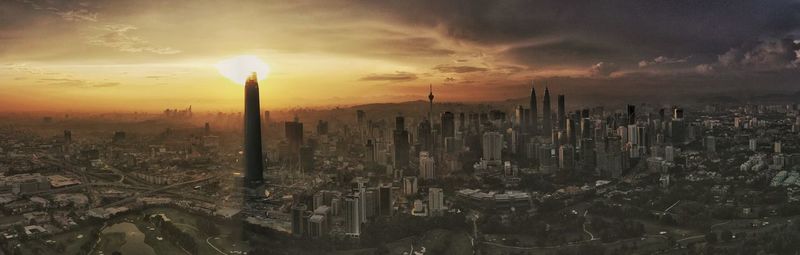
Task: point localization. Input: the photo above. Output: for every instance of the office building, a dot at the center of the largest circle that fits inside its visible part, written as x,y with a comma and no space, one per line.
435,201
253,161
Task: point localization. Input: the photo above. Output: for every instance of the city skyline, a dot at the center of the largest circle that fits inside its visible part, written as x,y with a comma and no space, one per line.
95,55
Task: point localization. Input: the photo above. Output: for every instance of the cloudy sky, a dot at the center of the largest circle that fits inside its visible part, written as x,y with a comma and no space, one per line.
149,55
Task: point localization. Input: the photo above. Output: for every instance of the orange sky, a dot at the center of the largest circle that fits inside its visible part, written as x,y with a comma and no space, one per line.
150,55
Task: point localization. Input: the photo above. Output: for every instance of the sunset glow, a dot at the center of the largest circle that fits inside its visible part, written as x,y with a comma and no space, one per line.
237,69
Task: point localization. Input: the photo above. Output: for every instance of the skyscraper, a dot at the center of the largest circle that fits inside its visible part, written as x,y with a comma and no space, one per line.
427,166
492,146
534,118
547,128
294,135
448,125
562,115
385,200
631,114
401,145
252,133
297,219
521,118
352,217
424,135
435,201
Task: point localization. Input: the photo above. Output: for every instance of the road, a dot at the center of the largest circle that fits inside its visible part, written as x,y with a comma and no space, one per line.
134,197
591,236
208,241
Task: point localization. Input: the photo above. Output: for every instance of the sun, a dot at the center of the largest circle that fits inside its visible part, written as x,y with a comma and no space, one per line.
238,68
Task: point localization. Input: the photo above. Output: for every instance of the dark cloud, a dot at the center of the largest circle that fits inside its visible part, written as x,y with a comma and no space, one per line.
393,77
459,69
586,32
662,60
562,53
767,54
449,79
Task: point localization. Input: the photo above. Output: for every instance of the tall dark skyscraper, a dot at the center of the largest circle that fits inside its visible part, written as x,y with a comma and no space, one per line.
534,127
253,162
401,145
547,126
424,135
294,135
631,114
562,114
448,124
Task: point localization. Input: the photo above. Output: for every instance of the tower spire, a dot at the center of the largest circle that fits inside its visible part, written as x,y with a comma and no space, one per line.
430,99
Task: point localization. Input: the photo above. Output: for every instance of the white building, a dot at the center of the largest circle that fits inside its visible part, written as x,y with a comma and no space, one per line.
435,201
410,185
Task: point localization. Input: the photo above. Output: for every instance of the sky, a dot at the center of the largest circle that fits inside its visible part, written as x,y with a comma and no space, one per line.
148,55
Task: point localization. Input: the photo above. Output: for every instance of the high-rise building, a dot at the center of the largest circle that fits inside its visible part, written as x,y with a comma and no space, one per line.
306,158
547,127
297,219
534,118
448,125
360,188
352,217
401,145
566,157
424,135
521,119
753,144
427,166
677,113
562,113
294,136
385,200
435,201
371,203
631,114
253,161
669,153
492,146
266,117
317,226
410,185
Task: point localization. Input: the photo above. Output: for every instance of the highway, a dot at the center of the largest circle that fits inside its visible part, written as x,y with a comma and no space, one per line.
171,186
